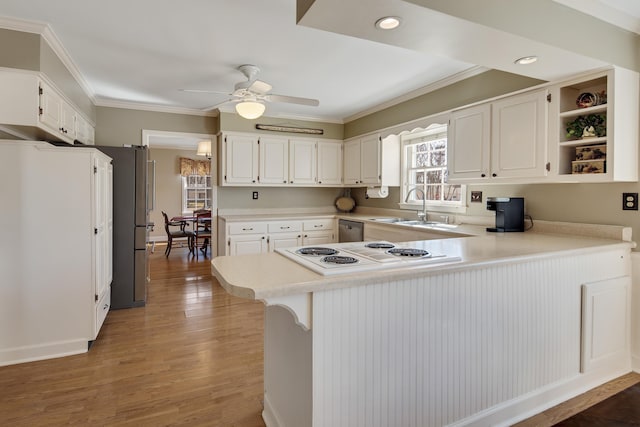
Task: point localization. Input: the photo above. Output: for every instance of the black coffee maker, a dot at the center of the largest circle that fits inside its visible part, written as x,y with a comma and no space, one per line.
509,213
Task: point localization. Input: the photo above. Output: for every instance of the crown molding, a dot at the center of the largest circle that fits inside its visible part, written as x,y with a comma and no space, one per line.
102,102
462,75
45,31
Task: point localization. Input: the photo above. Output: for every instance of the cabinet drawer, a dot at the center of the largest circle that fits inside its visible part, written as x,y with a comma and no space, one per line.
247,227
102,308
284,226
318,224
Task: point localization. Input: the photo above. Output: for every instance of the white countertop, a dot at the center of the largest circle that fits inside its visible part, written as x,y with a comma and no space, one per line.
272,275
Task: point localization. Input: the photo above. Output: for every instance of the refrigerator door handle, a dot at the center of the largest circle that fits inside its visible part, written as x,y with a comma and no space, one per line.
152,182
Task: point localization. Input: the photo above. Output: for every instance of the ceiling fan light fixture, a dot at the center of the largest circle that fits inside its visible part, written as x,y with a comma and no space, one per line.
526,60
388,23
250,109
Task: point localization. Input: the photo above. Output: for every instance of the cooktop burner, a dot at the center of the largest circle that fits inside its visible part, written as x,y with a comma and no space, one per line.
339,259
316,251
380,245
409,252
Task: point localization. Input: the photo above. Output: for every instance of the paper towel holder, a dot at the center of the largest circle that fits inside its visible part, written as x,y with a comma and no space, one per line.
376,192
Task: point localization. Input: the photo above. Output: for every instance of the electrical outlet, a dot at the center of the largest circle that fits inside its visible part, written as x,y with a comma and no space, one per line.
476,197
255,195
630,201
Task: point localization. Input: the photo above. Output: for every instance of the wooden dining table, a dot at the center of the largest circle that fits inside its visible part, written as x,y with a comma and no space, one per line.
185,219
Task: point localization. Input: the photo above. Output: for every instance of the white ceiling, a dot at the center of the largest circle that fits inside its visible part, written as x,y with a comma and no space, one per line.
142,52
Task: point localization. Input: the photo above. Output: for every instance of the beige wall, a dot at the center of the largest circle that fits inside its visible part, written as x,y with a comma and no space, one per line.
27,51
483,86
117,126
53,68
19,50
276,198
168,185
233,122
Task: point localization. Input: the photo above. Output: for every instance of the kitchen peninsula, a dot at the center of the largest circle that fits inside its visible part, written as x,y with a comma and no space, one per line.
522,322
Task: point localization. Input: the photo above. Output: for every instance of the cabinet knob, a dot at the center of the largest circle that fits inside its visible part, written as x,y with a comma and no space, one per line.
253,181
284,182
494,175
319,182
291,182
483,175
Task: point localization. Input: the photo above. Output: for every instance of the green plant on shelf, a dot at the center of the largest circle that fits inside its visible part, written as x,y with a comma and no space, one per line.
592,125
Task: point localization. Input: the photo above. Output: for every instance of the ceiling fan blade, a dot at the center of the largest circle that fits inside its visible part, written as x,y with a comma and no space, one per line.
292,100
259,87
220,104
202,91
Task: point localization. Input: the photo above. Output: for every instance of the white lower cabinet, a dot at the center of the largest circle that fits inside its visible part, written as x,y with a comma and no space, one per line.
246,244
243,238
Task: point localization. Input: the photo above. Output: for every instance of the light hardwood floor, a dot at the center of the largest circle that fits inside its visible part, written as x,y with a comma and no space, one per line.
193,356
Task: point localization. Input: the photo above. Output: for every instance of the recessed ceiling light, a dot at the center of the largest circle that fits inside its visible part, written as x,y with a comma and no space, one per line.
526,60
388,23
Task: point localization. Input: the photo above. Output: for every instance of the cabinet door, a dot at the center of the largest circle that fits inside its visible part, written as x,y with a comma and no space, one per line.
274,167
310,238
50,107
468,143
519,140
352,162
284,240
302,162
370,160
241,159
102,226
329,162
247,244
67,120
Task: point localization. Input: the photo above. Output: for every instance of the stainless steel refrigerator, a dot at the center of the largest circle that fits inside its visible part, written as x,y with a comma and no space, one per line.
131,202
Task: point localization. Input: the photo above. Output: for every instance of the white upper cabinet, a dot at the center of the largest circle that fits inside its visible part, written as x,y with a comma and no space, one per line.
329,162
504,139
302,161
352,162
370,166
37,110
519,136
256,159
372,161
274,156
468,145
240,157
608,101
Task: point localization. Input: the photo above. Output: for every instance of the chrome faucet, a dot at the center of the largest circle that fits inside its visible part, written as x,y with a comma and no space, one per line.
422,216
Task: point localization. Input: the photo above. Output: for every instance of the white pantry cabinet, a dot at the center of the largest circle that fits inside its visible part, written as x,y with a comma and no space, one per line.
500,140
53,304
34,108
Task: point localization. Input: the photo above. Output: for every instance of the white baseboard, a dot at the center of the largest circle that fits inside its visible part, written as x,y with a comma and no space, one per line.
521,408
13,356
269,415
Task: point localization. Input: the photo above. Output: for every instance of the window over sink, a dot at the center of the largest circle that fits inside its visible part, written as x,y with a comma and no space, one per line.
424,168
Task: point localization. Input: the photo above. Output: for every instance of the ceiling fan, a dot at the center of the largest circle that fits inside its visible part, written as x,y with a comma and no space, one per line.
251,95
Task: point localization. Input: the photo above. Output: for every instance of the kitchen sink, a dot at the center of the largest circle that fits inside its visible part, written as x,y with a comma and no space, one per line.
388,220
418,222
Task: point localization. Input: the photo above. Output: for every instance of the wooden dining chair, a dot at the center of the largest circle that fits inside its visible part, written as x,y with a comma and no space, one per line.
202,231
181,233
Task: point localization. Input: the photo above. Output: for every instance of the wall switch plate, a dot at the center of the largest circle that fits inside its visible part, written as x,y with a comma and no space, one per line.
255,195
476,197
630,201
